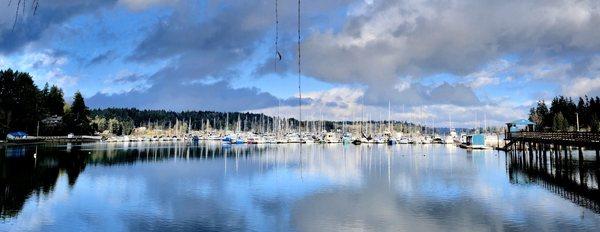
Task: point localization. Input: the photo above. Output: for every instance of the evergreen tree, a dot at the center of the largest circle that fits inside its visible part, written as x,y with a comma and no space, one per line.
55,102
20,107
560,123
77,118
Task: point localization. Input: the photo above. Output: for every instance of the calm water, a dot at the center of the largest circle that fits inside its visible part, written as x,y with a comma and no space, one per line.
185,187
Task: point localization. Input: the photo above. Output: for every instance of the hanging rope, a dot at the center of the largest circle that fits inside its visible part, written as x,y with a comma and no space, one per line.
277,35
299,73
21,5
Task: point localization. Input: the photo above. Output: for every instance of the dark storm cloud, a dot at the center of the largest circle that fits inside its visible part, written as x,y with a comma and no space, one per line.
30,27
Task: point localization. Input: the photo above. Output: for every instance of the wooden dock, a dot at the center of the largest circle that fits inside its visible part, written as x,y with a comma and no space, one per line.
579,139
559,144
67,139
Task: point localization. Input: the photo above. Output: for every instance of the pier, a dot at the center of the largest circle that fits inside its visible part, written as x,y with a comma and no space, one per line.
68,139
558,144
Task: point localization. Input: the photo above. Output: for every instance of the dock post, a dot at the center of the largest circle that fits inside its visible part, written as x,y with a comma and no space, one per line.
530,149
580,156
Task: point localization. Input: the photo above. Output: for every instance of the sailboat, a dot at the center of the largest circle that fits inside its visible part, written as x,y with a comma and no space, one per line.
451,138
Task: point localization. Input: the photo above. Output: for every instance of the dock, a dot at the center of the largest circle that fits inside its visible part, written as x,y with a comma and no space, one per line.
67,139
558,144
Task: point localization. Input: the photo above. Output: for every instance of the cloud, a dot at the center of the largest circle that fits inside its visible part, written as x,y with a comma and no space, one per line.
218,96
138,5
373,52
345,103
102,58
583,86
386,41
415,94
49,14
45,66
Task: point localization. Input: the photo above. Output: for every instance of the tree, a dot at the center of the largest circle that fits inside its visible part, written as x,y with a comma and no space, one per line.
77,118
540,115
54,101
20,106
127,127
595,124
560,123
114,126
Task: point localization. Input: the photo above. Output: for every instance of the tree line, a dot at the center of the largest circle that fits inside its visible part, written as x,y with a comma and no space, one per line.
563,114
23,107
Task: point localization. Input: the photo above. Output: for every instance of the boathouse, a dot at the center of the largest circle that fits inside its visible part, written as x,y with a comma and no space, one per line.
520,125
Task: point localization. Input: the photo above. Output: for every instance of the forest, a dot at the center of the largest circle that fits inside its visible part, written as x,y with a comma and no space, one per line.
23,107
564,114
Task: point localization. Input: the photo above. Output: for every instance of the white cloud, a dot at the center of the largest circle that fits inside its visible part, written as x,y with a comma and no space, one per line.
583,86
45,66
343,103
137,5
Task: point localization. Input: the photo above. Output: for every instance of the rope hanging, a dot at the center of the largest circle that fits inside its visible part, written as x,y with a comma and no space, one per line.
277,35
21,5
299,74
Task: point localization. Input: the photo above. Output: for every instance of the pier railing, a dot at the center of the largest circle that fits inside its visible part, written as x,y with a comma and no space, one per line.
552,137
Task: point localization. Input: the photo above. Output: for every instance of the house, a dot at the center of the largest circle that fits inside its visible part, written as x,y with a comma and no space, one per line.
53,120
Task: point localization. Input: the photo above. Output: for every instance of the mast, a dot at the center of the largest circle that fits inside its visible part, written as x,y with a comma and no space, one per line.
389,117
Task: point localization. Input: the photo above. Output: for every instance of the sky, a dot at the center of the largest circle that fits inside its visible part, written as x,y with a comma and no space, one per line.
463,63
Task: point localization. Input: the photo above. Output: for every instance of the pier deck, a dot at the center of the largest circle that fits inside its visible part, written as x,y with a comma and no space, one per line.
579,139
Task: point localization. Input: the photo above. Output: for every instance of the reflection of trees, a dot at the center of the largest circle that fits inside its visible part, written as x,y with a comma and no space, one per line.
24,176
577,183
117,154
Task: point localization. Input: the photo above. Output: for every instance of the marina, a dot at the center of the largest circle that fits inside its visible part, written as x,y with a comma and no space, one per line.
354,115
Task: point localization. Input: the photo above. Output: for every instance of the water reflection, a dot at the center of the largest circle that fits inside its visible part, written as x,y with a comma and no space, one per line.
575,181
24,176
206,186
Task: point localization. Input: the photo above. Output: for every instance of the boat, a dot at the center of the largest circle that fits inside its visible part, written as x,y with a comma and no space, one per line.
347,138
227,139
378,140
474,141
240,140
293,138
330,138
403,140
449,139
391,141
